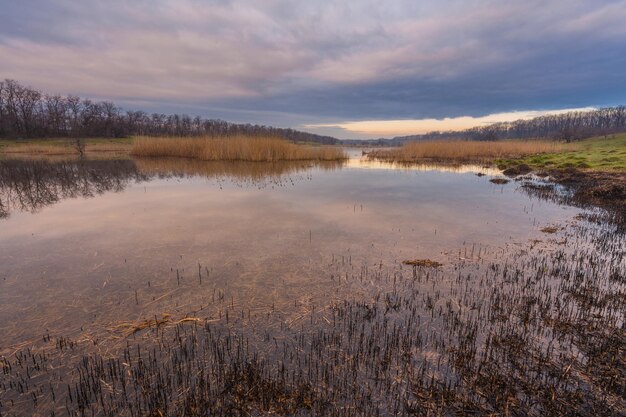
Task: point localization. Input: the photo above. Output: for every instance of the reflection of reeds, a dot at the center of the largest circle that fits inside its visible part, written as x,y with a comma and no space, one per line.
465,150
29,185
236,148
240,170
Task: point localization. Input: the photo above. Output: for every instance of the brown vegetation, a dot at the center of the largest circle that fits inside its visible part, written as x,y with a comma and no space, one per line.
65,149
423,262
236,148
464,151
603,189
499,181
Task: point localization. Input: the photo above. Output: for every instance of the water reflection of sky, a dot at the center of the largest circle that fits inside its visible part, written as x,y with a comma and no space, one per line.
365,163
80,260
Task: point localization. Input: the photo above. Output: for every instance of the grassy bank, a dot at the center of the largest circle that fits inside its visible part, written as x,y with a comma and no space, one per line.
208,149
594,169
596,154
466,151
238,148
64,147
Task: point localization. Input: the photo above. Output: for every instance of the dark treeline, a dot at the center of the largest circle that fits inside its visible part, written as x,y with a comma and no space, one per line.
569,126
29,113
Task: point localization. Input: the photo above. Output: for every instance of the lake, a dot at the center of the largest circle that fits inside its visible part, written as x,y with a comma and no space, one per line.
106,254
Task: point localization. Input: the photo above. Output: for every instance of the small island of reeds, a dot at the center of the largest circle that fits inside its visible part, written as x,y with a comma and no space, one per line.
233,148
460,151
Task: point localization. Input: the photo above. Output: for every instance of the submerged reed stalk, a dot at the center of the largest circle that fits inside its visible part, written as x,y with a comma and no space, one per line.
459,150
235,148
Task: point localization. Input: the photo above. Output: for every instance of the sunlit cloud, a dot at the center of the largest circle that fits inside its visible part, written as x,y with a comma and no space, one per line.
323,61
391,128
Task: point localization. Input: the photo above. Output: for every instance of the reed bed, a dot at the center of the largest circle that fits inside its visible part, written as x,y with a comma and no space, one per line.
235,148
466,151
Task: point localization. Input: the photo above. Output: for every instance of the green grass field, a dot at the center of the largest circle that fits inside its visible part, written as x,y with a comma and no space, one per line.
597,154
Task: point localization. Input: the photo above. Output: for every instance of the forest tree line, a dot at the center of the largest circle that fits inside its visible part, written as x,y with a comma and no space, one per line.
574,125
29,113
570,126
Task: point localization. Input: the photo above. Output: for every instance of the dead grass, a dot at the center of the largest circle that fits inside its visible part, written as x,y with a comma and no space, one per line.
131,328
236,148
64,149
499,181
465,151
427,263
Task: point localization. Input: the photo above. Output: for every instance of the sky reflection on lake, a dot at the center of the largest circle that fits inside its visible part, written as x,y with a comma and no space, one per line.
116,238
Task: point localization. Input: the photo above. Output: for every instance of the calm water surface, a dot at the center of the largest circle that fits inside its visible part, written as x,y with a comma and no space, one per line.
86,246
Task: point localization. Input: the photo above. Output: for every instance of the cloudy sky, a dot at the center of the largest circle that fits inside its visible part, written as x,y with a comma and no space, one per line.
346,68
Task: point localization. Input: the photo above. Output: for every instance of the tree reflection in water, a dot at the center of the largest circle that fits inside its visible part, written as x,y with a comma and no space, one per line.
30,185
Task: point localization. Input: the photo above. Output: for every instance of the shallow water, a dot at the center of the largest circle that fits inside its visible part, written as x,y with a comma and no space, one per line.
106,243
180,287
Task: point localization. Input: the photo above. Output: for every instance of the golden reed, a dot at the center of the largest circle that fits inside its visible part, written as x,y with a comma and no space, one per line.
233,148
459,150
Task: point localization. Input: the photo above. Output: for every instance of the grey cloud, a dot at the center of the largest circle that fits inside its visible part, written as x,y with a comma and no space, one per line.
304,62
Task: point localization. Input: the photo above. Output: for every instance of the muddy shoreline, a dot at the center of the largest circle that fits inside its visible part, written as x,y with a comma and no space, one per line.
606,190
603,189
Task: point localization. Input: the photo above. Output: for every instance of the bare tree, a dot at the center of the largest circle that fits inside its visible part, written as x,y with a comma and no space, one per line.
26,112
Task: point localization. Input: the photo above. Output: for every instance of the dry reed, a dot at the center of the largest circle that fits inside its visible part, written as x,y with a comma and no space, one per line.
236,148
42,149
459,150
